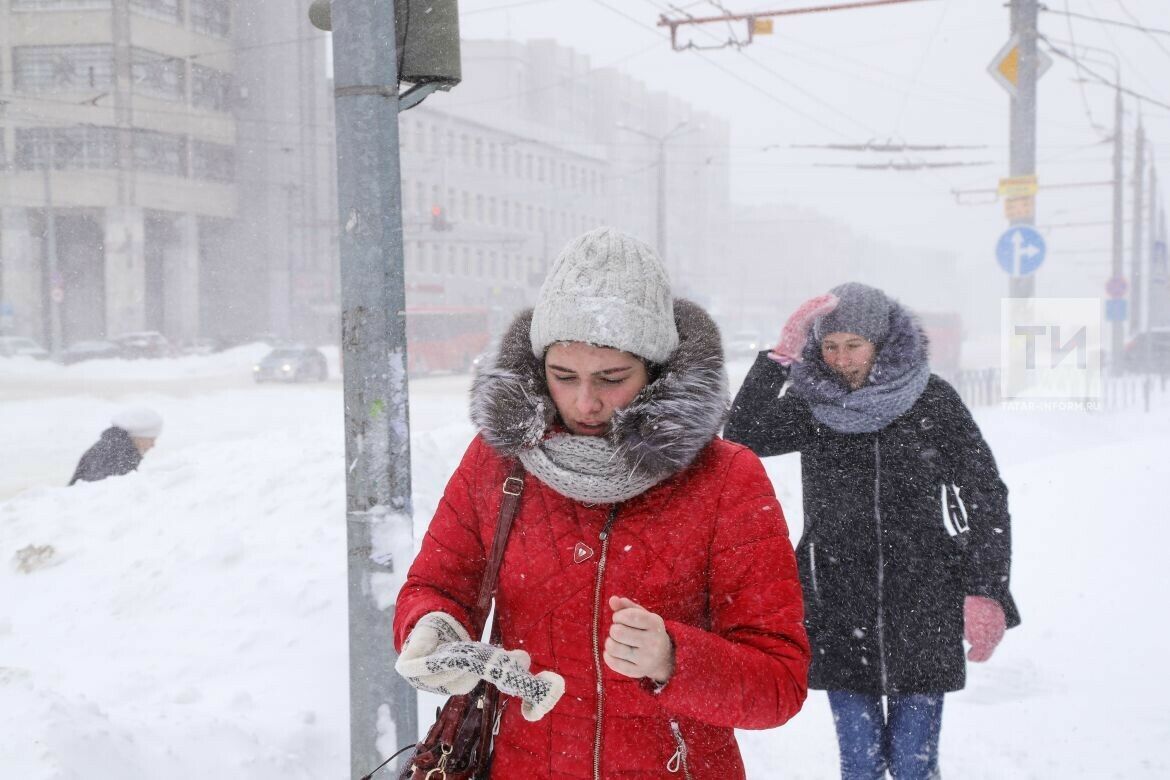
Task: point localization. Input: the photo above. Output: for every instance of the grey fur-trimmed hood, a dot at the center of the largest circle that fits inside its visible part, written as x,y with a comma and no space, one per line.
660,433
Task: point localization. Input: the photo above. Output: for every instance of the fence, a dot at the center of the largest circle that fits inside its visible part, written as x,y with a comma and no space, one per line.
981,387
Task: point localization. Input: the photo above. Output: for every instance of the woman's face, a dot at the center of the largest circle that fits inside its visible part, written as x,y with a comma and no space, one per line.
589,383
850,356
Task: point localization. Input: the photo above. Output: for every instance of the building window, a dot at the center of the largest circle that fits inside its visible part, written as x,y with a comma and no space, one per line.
59,5
479,216
215,162
157,75
210,88
212,17
160,153
493,215
478,152
479,265
73,147
451,260
63,68
493,157
159,9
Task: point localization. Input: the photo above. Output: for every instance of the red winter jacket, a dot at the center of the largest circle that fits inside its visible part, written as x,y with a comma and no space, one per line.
707,549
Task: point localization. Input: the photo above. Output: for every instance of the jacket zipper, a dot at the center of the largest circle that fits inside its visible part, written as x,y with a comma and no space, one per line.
604,537
812,568
881,572
680,753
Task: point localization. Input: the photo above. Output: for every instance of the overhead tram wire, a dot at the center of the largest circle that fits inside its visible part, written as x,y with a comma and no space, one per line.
931,169
1097,76
1148,32
1080,82
1102,20
777,75
751,85
1120,52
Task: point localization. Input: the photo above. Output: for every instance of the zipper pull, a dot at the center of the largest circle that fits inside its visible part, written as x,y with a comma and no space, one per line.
680,752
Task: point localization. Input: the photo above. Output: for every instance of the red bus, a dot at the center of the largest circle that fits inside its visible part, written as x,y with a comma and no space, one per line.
444,338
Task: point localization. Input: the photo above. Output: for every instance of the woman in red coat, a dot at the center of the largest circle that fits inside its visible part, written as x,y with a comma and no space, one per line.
648,597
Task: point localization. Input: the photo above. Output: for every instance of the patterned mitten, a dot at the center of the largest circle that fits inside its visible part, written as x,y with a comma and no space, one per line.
433,632
508,671
795,332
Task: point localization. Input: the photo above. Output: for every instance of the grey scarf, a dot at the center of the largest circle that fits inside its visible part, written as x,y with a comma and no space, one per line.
899,375
586,468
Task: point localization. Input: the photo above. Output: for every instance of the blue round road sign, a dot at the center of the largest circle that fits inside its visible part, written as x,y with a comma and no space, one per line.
1020,250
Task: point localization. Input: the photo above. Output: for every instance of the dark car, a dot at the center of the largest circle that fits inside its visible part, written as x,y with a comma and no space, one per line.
90,350
292,364
1149,352
19,346
144,344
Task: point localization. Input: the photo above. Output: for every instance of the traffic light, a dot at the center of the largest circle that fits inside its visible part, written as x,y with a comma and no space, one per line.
439,218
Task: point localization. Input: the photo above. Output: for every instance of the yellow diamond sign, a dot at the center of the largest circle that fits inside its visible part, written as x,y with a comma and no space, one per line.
1005,67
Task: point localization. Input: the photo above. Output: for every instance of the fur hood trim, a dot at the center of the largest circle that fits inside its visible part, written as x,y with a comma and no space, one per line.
660,433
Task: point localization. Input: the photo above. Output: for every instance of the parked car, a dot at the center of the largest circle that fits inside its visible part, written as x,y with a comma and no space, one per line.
144,344
203,346
90,350
1149,352
19,346
292,364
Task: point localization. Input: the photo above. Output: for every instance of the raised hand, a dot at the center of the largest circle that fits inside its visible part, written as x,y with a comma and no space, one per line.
638,645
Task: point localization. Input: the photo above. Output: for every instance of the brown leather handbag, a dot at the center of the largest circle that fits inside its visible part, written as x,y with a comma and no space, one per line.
459,745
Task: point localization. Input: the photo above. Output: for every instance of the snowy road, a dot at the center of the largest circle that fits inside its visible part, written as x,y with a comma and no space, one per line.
190,622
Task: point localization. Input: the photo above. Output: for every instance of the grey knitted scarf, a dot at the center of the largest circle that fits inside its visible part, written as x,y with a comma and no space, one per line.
586,468
899,375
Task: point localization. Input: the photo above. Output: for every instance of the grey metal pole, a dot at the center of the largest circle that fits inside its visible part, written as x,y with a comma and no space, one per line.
1023,119
661,217
1138,250
1116,328
383,708
55,282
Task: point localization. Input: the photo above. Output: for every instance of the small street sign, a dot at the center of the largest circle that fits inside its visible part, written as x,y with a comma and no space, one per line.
1019,186
1005,67
761,26
1022,209
1116,310
1020,250
1117,287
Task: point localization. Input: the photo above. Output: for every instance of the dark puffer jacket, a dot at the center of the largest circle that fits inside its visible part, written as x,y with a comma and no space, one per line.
113,455
900,526
707,549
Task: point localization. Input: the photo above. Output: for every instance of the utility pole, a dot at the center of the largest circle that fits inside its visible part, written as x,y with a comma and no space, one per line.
1157,289
383,707
1138,249
660,211
1116,327
1024,15
56,286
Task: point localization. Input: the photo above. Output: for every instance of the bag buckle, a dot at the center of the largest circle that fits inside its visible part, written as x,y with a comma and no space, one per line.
513,489
440,771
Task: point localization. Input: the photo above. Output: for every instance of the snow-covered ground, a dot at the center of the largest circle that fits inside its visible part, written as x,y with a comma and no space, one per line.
190,618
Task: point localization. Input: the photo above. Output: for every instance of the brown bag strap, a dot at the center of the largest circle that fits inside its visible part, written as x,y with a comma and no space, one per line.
512,488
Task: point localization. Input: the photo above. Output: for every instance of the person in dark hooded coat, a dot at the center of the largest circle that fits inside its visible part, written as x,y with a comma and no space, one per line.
648,603
906,544
120,449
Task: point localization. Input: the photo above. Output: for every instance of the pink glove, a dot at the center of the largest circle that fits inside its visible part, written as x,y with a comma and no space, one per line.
795,333
983,626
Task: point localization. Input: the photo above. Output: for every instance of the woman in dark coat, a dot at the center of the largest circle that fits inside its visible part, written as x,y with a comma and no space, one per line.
906,540
120,449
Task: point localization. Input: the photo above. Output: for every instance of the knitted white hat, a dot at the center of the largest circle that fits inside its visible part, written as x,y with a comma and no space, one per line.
609,289
139,421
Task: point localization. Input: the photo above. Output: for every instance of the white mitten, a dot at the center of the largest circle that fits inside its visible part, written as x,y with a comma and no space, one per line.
417,661
438,657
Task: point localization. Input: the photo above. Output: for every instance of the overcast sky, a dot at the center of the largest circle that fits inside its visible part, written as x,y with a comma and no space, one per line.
915,72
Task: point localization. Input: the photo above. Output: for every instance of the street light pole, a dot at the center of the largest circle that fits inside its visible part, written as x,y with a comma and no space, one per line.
383,707
660,210
56,284
1023,119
